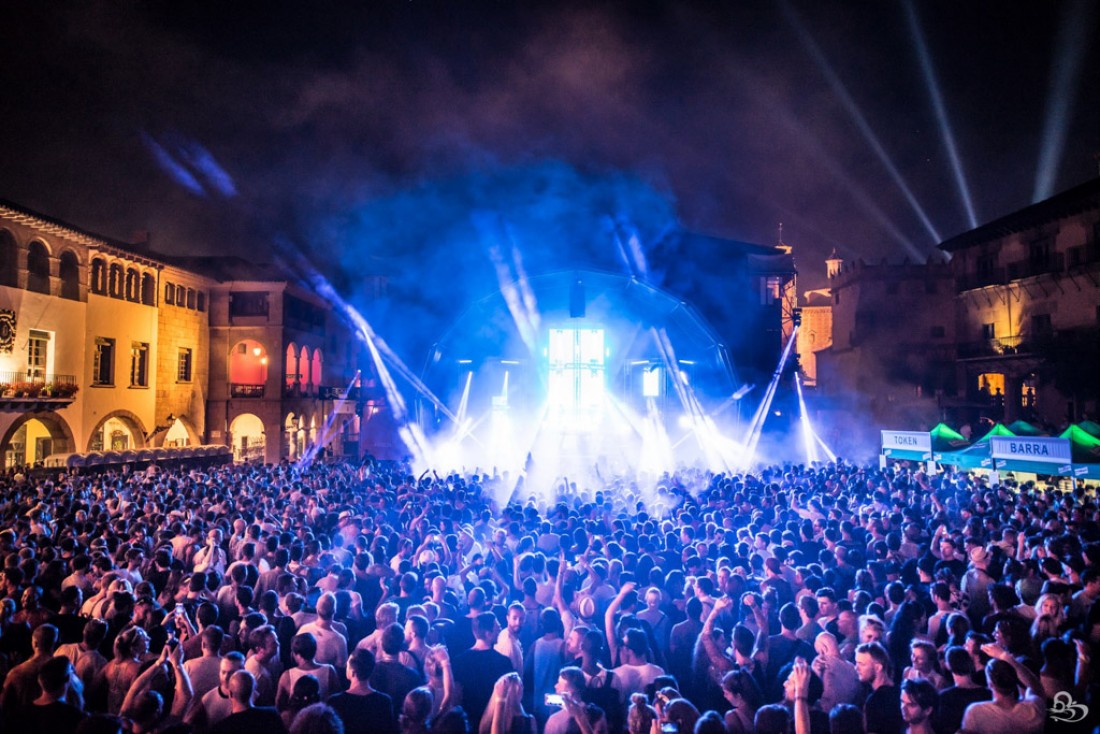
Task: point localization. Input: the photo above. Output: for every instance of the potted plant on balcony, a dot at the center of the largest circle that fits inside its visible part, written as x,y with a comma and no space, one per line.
64,389
26,389
5,390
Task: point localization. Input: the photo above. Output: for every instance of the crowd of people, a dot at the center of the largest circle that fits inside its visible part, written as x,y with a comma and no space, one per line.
363,598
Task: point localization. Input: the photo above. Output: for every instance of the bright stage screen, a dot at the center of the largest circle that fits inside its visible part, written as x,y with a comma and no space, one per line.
577,375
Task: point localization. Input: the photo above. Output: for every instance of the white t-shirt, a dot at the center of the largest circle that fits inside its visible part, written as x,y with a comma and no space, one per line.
1027,716
630,679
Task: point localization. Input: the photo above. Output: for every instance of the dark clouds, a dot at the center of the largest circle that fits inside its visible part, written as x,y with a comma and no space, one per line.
318,111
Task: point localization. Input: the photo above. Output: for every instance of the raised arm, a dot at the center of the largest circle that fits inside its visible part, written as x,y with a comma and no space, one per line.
144,681
1028,678
185,692
717,657
800,678
760,651
609,619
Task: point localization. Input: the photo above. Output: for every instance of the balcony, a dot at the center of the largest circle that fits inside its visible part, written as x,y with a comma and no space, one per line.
338,393
21,392
237,390
1008,346
982,279
1031,268
298,390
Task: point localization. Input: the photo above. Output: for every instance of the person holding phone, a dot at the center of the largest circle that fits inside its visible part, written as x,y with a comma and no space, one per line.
568,692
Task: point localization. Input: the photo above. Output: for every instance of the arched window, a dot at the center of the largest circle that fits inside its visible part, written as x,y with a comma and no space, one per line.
169,294
291,365
9,259
115,281
315,369
69,271
191,298
99,276
303,367
38,268
202,301
148,290
133,285
181,296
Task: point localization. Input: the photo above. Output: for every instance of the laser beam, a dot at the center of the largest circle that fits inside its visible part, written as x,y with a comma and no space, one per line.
940,109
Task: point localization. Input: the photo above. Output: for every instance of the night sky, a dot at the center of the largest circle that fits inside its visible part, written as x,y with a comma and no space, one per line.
367,133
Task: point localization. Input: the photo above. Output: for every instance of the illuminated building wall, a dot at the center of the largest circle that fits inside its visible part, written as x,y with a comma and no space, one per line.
1028,309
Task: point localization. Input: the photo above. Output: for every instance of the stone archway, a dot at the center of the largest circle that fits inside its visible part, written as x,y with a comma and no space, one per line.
119,430
56,431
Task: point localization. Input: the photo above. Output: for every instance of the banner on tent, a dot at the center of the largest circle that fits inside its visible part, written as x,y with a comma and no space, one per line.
1050,450
907,440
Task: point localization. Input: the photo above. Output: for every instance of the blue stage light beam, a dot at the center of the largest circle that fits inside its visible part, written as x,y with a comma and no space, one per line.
940,109
804,421
512,278
756,428
825,447
1069,50
857,116
327,432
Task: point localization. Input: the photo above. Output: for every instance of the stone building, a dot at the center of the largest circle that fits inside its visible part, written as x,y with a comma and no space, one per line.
107,345
1027,304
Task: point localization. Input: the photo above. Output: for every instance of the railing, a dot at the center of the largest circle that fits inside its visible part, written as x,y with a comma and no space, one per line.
249,453
246,391
338,393
969,281
37,379
34,386
1007,346
1055,263
300,390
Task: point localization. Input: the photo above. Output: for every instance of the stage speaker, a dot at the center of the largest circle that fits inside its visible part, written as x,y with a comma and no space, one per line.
576,300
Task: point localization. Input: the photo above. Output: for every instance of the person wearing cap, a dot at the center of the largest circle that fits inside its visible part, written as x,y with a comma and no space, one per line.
976,583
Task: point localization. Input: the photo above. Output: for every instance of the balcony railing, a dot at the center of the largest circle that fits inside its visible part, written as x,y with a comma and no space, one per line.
970,281
338,393
37,385
1007,346
237,390
297,390
1055,263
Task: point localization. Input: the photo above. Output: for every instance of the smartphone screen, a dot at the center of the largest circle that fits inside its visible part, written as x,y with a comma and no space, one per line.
553,699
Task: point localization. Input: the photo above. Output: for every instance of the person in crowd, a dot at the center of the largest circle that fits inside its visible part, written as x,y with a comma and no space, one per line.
361,708
505,714
53,711
245,717
882,708
304,649
477,670
391,676
712,577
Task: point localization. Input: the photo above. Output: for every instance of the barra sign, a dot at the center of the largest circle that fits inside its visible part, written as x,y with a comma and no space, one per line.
1050,450
906,441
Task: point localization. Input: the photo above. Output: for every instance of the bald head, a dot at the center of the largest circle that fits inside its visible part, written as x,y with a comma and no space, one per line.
241,686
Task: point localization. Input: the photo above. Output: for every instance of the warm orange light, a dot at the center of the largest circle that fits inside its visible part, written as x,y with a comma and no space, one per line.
257,351
263,361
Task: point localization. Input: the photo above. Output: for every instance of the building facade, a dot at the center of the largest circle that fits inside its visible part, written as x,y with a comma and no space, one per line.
1027,304
109,346
1008,329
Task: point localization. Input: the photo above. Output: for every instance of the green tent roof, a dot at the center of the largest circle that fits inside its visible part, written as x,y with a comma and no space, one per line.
1085,446
997,430
1023,428
1090,427
945,438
